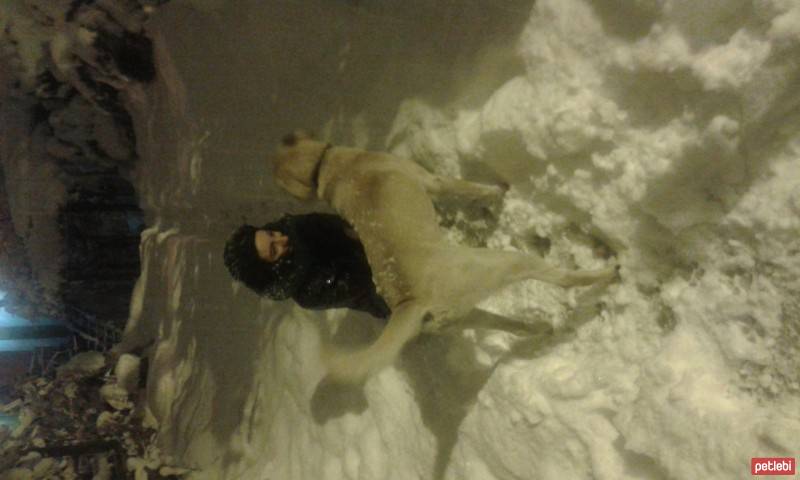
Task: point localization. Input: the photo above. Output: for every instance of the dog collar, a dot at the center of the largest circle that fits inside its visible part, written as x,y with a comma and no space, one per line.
318,167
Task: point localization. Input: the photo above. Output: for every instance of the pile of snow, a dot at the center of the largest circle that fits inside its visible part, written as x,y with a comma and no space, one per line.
663,133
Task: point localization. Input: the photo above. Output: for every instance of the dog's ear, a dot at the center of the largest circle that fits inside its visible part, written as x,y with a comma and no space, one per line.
291,139
295,188
301,134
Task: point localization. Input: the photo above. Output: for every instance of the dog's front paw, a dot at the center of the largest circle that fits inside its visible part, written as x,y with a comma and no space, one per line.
493,201
611,274
346,367
498,191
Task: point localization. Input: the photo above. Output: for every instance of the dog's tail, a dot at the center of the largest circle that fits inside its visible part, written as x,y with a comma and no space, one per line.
356,366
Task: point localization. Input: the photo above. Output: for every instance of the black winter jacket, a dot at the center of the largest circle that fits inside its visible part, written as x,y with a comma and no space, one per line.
330,268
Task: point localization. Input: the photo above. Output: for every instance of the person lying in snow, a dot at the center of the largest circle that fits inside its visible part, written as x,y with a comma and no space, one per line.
315,259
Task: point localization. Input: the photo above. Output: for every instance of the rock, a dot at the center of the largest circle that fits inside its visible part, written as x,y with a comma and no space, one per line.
105,420
11,406
45,468
85,364
104,470
127,372
138,466
115,396
167,471
26,417
18,474
71,390
29,457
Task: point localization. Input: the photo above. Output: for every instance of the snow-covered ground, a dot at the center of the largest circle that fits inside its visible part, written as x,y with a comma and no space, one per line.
665,132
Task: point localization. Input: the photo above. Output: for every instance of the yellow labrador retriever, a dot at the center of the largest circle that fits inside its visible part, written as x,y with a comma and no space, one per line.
421,275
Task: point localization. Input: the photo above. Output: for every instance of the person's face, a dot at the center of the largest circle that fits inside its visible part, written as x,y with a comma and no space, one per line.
271,245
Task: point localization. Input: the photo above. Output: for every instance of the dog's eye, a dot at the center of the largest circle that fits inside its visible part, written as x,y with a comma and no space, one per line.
289,140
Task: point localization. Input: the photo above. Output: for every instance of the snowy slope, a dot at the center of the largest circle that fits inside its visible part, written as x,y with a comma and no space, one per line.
666,133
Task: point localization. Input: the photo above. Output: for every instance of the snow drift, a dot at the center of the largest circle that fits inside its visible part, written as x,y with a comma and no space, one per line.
664,132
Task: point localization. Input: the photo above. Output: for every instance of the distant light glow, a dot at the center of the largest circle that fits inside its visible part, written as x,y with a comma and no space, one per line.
11,320
25,344
8,319
9,421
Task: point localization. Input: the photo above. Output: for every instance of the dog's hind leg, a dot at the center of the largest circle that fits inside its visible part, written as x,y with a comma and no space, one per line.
438,185
531,266
355,366
483,271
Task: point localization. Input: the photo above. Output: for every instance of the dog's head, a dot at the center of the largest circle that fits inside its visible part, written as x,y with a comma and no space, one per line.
295,163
